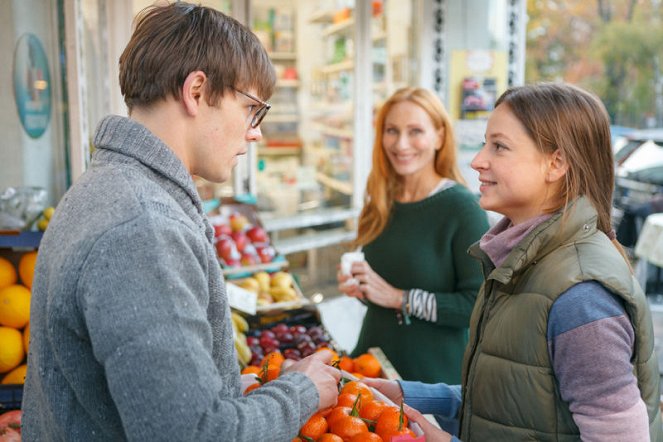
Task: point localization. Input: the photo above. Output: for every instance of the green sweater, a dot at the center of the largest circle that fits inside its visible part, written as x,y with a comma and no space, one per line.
424,246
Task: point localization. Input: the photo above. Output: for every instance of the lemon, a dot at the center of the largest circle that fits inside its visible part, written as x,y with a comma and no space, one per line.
26,338
16,376
14,306
11,349
48,212
7,273
26,268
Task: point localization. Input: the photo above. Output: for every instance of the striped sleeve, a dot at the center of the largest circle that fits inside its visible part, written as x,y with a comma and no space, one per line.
422,305
590,342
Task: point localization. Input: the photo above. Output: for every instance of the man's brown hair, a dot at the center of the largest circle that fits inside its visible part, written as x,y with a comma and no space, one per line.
169,42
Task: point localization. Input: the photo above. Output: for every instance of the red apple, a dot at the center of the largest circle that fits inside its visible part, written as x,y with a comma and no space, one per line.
248,259
241,240
257,234
227,249
222,229
266,253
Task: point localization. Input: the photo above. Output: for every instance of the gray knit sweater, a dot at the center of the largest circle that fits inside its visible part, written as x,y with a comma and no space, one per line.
131,333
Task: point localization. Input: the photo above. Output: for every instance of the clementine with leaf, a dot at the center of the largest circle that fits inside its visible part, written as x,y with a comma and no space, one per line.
392,422
347,400
357,388
346,363
338,412
329,437
251,369
372,410
315,427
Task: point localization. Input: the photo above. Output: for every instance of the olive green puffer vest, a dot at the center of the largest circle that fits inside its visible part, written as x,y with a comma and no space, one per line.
510,392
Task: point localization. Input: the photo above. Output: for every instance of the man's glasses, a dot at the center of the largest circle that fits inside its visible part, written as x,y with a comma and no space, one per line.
260,113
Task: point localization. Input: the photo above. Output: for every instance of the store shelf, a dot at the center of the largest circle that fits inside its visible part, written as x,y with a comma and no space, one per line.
344,187
20,240
273,223
334,131
344,27
314,240
346,65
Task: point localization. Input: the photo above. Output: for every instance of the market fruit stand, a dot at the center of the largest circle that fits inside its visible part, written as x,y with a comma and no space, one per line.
272,319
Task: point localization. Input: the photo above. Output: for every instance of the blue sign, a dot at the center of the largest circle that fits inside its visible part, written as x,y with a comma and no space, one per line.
32,85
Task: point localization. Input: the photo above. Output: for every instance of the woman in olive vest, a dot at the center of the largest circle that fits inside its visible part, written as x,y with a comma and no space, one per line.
561,340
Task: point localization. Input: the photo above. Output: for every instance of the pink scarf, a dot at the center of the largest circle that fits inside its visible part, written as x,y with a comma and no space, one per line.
498,242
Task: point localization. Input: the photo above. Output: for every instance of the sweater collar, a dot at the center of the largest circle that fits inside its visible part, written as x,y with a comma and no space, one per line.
542,239
130,138
498,242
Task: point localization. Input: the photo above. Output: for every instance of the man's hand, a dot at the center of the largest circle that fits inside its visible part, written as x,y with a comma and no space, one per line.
324,376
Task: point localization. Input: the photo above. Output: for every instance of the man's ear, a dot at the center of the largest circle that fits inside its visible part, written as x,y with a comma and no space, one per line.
557,166
193,91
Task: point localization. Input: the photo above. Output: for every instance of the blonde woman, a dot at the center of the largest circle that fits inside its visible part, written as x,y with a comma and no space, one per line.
415,228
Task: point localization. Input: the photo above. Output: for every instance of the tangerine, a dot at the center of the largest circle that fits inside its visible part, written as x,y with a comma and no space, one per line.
274,358
252,387
357,388
7,273
335,359
315,427
26,268
338,412
329,437
14,306
368,365
391,422
366,437
347,400
348,426
346,364
372,410
250,369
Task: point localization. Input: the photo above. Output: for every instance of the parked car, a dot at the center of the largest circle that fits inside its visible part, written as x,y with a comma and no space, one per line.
638,181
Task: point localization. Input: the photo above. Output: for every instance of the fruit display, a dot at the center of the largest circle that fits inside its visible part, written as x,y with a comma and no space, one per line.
241,241
10,426
240,327
273,290
15,282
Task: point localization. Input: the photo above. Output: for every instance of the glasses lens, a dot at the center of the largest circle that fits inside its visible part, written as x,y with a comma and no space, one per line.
260,114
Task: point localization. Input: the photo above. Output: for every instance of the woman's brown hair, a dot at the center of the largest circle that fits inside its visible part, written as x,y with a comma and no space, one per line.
563,117
383,184
169,42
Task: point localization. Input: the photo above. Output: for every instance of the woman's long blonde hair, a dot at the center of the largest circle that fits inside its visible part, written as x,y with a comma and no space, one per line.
383,183
559,116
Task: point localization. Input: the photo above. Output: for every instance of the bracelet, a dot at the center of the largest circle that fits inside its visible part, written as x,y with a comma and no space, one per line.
405,307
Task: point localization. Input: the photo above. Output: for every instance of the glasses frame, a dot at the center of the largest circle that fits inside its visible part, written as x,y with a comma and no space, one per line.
260,113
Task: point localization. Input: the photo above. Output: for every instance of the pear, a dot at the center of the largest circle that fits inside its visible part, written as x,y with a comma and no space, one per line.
281,279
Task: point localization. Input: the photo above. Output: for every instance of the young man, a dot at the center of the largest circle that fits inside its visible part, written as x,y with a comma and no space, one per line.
131,330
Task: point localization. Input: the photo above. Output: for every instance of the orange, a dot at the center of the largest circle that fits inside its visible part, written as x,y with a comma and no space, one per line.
7,273
348,426
335,359
372,410
358,375
16,376
252,387
11,349
329,437
357,388
249,369
26,268
338,412
297,439
347,400
274,358
14,306
346,364
368,365
26,338
366,437
391,422
315,427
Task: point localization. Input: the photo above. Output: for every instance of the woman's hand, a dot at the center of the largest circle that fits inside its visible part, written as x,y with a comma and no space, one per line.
348,285
391,389
432,433
374,288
